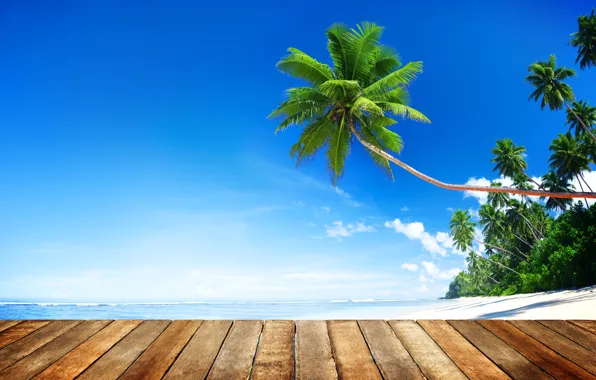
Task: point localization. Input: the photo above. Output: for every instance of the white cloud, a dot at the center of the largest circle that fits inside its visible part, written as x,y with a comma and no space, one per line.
447,242
423,278
422,289
410,267
436,274
590,178
450,209
441,243
474,213
325,208
347,197
404,209
338,230
480,196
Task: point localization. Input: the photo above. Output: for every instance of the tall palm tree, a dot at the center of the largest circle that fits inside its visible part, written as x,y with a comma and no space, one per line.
585,40
462,232
585,112
568,160
494,226
517,216
552,182
357,97
498,200
548,79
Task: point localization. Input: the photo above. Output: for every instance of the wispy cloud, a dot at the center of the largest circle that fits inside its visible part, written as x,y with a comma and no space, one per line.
404,209
339,230
410,267
326,208
435,273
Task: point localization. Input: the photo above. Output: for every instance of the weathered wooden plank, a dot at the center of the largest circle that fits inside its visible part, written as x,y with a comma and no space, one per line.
275,356
558,343
199,354
4,324
573,332
40,359
76,361
314,360
160,355
33,341
467,357
586,325
237,354
392,358
114,362
352,356
19,330
512,362
433,362
538,353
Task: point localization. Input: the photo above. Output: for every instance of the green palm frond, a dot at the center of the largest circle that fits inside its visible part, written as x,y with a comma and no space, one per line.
360,43
337,49
585,40
404,111
386,61
364,104
313,137
339,148
401,77
379,161
340,89
304,104
300,65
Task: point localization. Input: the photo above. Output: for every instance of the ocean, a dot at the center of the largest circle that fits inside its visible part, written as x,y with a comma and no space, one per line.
337,309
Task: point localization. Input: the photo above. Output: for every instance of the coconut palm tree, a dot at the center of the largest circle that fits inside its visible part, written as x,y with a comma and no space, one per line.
585,40
494,226
568,160
357,97
585,112
462,232
517,216
548,79
552,182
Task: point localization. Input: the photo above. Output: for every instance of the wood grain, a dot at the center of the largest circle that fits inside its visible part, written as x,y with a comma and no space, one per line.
114,362
76,361
351,354
586,325
573,332
544,357
433,362
237,354
160,355
19,330
557,342
508,359
197,358
467,357
40,359
391,357
314,360
33,341
275,356
4,324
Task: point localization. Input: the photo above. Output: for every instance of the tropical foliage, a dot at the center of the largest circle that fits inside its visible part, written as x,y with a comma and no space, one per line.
585,40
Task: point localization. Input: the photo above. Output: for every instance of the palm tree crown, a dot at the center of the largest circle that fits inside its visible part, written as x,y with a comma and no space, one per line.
585,112
462,229
548,79
552,182
509,158
585,40
363,90
567,160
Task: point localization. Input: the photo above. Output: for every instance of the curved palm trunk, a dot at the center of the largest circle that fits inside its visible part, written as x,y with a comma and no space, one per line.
494,262
495,281
532,227
484,189
586,182
542,188
581,187
495,247
523,241
581,122
520,252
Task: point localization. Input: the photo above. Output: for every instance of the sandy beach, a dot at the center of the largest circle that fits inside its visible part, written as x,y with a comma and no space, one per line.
562,304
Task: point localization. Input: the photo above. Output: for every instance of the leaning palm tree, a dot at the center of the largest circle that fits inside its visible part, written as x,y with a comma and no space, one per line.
548,80
494,226
358,97
568,160
585,112
462,232
552,182
585,40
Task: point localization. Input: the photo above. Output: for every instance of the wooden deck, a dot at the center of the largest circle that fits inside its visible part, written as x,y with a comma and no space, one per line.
310,350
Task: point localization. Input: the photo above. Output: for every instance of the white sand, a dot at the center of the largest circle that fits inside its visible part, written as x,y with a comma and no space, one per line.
564,304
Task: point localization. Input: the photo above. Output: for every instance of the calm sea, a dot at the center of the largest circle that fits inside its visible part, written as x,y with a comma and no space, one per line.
341,309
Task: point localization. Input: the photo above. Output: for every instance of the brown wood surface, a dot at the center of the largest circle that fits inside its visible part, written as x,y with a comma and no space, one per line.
433,362
76,361
573,332
197,358
235,359
275,355
160,355
4,324
19,330
114,362
557,342
33,341
40,359
538,353
586,325
350,351
472,362
314,360
390,355
512,362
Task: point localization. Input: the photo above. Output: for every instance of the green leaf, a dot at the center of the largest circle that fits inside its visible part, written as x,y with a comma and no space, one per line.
339,148
301,65
340,89
337,49
380,161
313,137
401,77
364,104
359,44
404,111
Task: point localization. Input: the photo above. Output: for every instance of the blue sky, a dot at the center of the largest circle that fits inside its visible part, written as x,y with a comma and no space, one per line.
137,162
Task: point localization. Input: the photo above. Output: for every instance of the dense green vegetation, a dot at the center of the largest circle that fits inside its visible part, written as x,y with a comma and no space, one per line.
526,248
